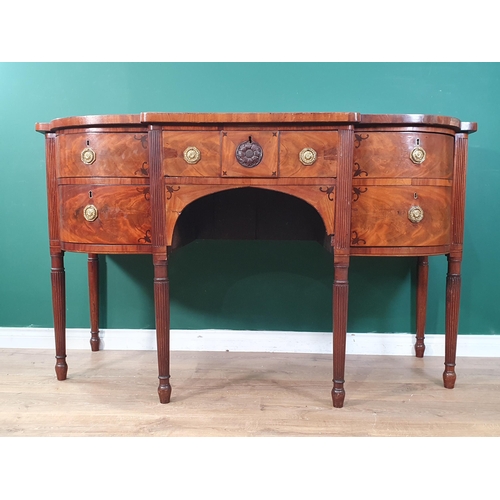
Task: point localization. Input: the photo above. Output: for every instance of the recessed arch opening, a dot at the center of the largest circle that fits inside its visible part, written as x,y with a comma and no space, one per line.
249,213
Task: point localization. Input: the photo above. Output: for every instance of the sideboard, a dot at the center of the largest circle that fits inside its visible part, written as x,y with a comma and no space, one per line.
377,185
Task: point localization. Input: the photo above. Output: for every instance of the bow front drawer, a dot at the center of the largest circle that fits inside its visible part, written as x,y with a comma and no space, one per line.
111,154
105,214
397,216
403,154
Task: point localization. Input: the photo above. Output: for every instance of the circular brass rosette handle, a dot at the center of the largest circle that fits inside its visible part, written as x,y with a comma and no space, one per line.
249,154
192,155
90,213
417,155
415,214
88,156
307,156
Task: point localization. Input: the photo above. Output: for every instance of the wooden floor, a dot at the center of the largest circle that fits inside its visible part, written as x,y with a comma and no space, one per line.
113,393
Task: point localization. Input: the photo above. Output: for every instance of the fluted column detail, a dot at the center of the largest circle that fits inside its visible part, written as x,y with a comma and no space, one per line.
453,279
162,314
343,197
57,273
161,282
57,276
453,287
340,310
341,248
459,179
157,189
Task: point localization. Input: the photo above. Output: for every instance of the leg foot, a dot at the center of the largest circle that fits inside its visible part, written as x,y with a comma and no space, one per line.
449,376
164,390
95,342
61,367
338,394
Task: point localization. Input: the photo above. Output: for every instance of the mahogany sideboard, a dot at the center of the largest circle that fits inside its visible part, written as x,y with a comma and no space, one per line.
382,185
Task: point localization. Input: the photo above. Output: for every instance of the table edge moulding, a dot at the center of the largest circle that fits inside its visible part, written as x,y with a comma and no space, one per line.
378,185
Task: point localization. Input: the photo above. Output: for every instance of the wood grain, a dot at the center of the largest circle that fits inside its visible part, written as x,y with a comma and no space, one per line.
113,393
124,214
117,154
387,154
268,141
174,145
324,143
380,216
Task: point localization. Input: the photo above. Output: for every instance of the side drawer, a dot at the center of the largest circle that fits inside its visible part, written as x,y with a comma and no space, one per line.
308,154
105,214
191,154
381,216
103,154
403,154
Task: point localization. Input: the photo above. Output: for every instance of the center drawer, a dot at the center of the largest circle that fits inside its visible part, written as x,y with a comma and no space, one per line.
250,153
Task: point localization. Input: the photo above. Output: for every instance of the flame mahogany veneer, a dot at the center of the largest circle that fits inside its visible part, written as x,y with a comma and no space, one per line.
373,185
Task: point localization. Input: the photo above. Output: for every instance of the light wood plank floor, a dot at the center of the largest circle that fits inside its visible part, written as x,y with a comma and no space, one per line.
113,393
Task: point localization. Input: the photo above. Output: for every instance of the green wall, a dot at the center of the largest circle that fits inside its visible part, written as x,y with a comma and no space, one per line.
260,285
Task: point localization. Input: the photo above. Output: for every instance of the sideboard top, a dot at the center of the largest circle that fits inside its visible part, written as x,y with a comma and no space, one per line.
323,118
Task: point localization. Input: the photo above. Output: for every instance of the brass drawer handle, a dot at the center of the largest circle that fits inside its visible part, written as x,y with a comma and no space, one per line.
90,213
192,155
415,214
88,156
307,156
417,155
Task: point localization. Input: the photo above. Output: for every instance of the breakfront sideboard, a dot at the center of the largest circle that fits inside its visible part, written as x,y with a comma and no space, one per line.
380,185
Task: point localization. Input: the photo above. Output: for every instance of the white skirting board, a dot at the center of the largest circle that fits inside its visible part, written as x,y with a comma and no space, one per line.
397,344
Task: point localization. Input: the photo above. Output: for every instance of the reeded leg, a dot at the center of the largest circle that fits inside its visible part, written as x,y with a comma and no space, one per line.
93,272
59,309
340,303
453,284
162,312
422,285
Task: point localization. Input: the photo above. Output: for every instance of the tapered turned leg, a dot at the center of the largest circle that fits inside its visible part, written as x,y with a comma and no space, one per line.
93,272
422,285
453,285
162,312
340,303
59,309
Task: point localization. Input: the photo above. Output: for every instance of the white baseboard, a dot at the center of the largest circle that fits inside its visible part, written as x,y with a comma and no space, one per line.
396,344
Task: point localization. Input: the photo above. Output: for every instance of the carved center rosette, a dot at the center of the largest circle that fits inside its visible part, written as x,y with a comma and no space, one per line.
249,154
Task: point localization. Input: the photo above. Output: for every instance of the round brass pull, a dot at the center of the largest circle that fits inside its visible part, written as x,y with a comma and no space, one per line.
307,156
192,155
415,214
417,155
88,156
90,213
